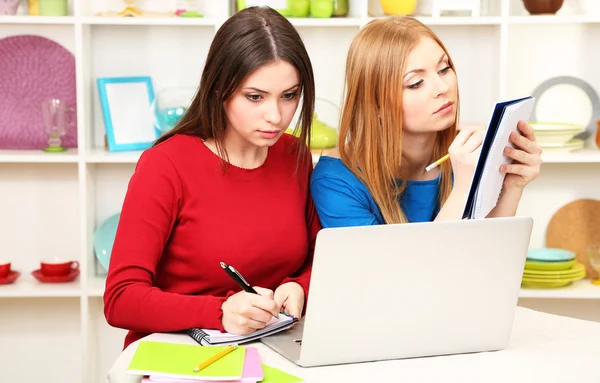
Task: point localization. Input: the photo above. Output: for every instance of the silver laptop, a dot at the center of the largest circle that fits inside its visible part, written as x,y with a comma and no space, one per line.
409,290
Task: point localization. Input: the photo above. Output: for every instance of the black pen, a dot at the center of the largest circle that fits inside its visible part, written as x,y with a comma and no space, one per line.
237,277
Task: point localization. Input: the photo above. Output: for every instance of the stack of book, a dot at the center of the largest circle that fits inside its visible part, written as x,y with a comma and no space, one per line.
182,363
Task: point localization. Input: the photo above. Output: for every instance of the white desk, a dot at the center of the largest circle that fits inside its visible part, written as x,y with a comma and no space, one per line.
543,348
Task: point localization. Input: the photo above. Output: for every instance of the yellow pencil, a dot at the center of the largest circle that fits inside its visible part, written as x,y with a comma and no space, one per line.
214,358
437,163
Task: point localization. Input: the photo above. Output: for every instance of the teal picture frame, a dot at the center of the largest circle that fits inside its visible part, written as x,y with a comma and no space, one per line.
126,110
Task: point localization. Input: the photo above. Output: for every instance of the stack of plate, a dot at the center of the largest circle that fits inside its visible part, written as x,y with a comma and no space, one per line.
558,137
549,268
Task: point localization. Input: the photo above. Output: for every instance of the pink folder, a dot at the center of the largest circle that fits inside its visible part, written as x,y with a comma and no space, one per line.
252,372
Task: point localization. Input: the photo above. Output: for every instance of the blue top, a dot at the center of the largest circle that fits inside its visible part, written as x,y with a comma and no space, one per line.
341,199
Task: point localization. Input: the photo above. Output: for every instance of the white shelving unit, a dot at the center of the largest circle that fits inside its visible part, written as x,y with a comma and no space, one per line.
52,203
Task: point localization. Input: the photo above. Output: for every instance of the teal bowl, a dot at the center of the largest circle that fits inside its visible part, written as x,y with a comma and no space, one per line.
104,237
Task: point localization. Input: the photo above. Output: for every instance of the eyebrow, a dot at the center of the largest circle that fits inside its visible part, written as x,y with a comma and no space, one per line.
265,92
423,70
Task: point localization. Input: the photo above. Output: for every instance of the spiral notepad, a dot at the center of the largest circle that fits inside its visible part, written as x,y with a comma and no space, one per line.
487,180
215,337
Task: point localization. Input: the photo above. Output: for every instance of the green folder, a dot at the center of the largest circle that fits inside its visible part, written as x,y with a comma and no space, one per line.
177,361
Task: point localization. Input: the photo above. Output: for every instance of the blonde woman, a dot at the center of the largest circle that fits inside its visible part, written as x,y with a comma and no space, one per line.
399,115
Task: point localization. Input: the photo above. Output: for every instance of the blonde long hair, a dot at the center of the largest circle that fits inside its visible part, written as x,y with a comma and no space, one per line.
370,140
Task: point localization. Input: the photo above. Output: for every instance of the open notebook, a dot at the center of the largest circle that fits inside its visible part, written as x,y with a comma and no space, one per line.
487,179
215,337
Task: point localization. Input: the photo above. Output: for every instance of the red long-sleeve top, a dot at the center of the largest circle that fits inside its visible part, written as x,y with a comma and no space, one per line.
183,214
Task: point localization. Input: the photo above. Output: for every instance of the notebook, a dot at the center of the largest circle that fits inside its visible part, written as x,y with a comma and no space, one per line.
251,373
215,337
171,360
487,179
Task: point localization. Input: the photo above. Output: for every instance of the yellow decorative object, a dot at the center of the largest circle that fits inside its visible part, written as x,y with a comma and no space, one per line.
130,10
398,7
322,137
33,7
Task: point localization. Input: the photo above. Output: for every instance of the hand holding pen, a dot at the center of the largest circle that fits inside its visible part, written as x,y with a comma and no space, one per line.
250,309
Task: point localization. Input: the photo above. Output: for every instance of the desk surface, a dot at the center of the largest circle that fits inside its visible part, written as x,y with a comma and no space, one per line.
543,348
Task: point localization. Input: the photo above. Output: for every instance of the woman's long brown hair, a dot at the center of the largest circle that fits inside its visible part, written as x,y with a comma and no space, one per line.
251,38
370,140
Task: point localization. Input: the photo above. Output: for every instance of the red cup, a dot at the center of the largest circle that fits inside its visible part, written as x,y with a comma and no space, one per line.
4,269
58,268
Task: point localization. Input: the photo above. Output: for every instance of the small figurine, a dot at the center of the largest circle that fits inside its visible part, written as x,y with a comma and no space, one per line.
130,10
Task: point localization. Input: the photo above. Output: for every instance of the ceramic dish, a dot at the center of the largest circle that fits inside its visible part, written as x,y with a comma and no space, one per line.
574,271
533,265
104,237
567,98
55,279
545,284
573,144
10,278
555,133
549,255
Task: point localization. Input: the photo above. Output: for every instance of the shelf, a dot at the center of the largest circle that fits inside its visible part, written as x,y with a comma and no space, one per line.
458,20
96,286
147,21
297,21
553,19
582,289
587,155
102,156
63,20
328,22
26,286
38,156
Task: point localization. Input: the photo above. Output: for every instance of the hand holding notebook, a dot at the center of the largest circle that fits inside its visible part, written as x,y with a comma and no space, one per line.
278,322
488,179
244,313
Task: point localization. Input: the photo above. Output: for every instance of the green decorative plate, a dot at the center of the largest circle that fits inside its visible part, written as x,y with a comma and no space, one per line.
545,284
533,265
572,277
576,269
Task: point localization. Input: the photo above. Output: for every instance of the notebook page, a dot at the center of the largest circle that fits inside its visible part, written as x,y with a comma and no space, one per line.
492,179
218,336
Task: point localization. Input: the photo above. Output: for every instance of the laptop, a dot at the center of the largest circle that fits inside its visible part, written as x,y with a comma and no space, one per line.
409,290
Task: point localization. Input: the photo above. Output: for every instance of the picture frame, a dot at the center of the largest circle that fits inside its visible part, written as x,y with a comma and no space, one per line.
126,109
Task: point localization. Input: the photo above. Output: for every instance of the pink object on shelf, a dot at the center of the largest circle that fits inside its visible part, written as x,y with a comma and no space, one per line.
33,69
9,7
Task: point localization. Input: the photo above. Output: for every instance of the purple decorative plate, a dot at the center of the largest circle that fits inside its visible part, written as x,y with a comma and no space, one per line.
32,69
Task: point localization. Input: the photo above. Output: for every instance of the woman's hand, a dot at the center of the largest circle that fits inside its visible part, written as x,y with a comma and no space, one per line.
290,297
464,154
527,156
244,313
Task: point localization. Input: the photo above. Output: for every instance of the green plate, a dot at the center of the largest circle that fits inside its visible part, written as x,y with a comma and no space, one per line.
576,269
545,284
533,265
572,277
